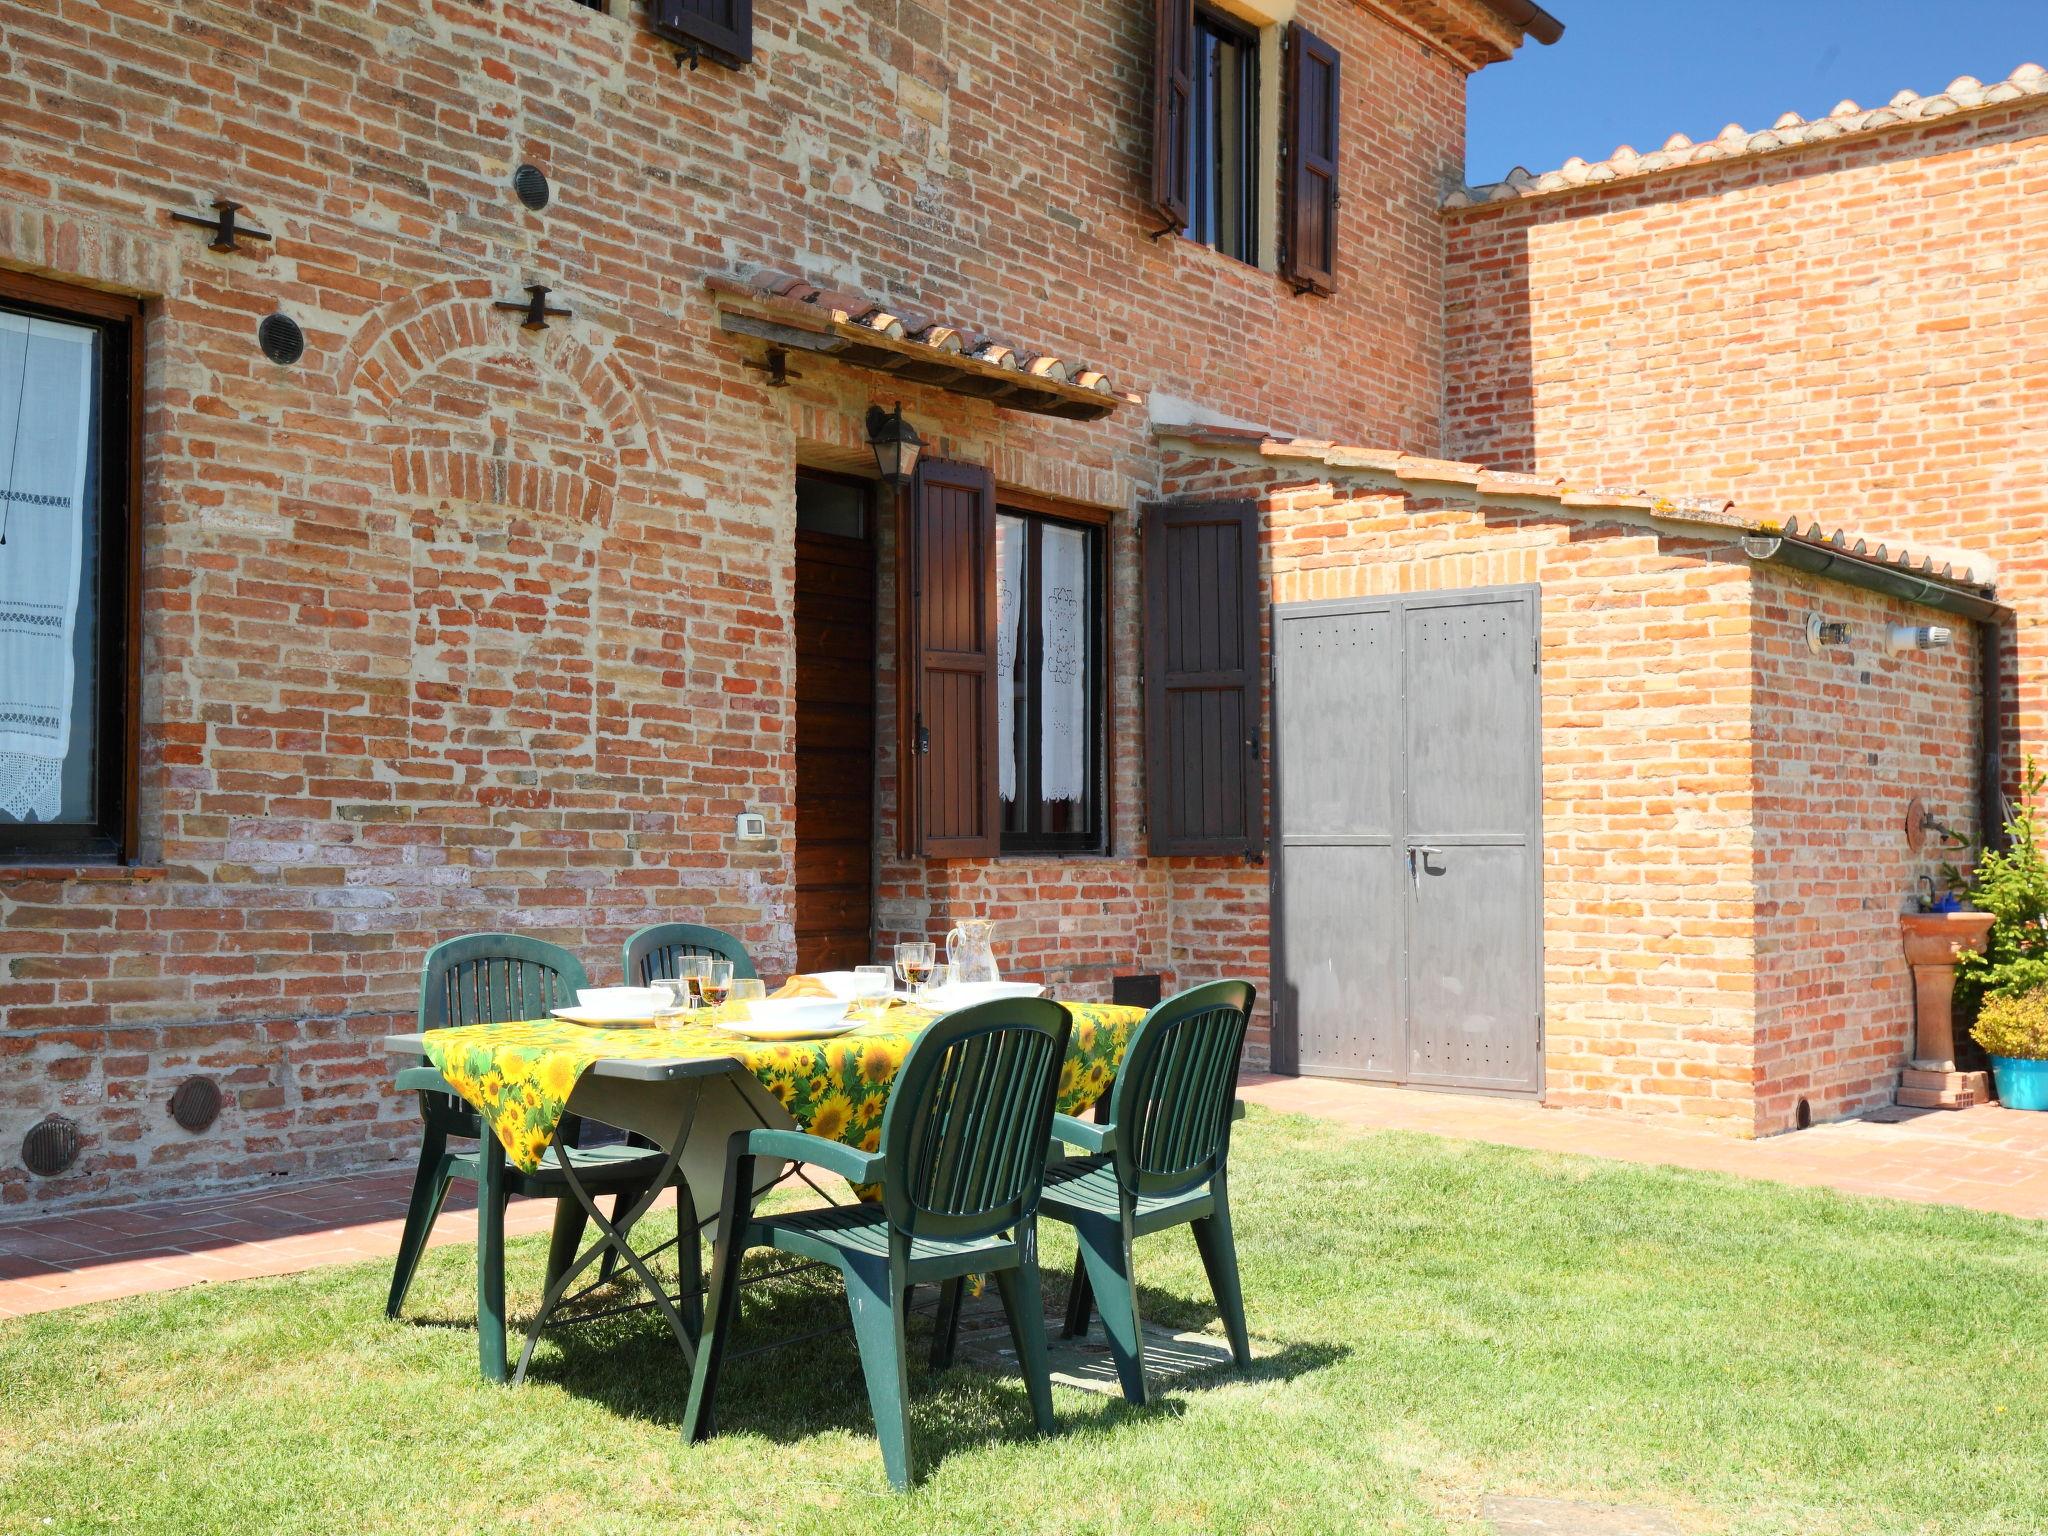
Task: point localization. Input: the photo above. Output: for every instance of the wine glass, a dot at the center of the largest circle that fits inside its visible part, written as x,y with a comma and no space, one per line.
746,991
870,986
717,982
914,959
690,969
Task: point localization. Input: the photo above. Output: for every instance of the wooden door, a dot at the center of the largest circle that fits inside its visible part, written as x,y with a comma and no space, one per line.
835,725
1408,820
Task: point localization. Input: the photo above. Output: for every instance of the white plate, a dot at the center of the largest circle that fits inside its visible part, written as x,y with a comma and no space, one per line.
607,1018
763,1029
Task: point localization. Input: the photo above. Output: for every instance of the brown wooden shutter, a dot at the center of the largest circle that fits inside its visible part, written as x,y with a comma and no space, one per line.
722,28
950,782
1203,787
1308,256
1173,88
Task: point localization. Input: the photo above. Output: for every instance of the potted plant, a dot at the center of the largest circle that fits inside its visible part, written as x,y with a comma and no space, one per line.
2013,1029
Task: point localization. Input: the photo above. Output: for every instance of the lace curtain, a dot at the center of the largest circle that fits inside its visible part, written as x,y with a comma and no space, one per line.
46,380
1063,663
1010,542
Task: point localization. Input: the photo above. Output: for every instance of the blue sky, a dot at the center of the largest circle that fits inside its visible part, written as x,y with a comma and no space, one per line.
1638,71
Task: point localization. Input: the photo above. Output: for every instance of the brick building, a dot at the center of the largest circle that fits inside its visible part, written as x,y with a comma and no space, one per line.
415,601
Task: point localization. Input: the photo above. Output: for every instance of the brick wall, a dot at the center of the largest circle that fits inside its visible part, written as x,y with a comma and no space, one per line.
1855,330
1649,966
1843,742
452,627
1724,858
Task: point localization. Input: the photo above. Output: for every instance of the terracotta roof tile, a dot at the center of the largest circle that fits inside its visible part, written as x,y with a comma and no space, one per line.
1428,477
1964,94
922,326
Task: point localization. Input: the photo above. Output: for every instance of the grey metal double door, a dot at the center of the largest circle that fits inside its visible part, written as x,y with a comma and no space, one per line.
1407,882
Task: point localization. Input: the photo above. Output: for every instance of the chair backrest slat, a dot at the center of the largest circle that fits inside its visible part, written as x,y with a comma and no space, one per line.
1174,1092
652,953
496,978
964,1136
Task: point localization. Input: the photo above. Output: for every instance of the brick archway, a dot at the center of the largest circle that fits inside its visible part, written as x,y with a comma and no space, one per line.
422,333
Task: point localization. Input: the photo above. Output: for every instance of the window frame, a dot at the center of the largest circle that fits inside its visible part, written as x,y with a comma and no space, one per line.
111,838
1035,512
1204,134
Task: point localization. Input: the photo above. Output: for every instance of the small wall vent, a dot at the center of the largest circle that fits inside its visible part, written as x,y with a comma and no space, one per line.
281,339
51,1146
196,1104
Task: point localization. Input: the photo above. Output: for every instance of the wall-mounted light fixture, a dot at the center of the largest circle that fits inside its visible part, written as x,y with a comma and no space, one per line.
1919,637
895,442
1823,633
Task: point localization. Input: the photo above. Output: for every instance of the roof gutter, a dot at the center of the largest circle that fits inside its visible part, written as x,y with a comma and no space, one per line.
1817,560
1530,17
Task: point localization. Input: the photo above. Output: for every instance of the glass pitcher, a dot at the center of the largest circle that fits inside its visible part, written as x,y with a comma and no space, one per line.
970,950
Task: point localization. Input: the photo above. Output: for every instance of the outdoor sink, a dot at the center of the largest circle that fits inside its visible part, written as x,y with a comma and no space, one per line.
1932,941
1936,938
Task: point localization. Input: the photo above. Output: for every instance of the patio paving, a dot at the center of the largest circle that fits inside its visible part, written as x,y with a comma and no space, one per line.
98,1255
1987,1159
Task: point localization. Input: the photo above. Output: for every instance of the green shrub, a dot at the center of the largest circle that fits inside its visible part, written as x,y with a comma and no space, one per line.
2014,1025
2011,883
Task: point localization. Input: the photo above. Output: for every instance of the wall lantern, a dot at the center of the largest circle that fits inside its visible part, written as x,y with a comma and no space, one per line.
895,442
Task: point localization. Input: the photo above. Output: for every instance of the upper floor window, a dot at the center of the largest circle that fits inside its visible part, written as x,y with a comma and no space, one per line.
1245,122
1223,136
67,616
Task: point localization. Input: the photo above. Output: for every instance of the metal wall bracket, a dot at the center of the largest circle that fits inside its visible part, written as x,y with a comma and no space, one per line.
776,367
535,307
227,235
689,54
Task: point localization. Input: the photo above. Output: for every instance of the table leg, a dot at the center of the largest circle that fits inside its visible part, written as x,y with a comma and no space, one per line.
609,1240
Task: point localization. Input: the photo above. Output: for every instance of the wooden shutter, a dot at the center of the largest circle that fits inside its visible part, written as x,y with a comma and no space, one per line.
1203,786
949,783
1308,257
1173,88
722,28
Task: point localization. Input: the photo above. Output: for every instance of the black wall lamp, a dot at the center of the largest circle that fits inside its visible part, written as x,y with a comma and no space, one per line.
895,442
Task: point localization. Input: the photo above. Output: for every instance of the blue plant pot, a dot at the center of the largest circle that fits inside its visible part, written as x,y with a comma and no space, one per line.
2021,1084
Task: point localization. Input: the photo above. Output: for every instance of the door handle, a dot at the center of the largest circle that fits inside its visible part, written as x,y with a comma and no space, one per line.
1419,855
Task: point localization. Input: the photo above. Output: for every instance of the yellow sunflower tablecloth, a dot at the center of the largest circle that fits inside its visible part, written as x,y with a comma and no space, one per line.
519,1076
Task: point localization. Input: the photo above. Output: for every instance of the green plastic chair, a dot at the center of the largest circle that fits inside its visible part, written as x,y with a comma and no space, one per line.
1160,1159
963,1148
654,950
497,978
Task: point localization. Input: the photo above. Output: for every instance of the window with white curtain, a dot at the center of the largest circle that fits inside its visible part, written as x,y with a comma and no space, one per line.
64,641
1050,693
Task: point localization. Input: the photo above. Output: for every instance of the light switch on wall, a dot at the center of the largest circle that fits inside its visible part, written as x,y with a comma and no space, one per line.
750,824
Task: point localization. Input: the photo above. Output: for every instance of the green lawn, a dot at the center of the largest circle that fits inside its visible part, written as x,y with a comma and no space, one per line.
1447,1321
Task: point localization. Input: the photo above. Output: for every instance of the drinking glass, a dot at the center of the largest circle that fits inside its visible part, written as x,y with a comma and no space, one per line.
870,986
675,999
746,991
913,959
937,978
717,982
